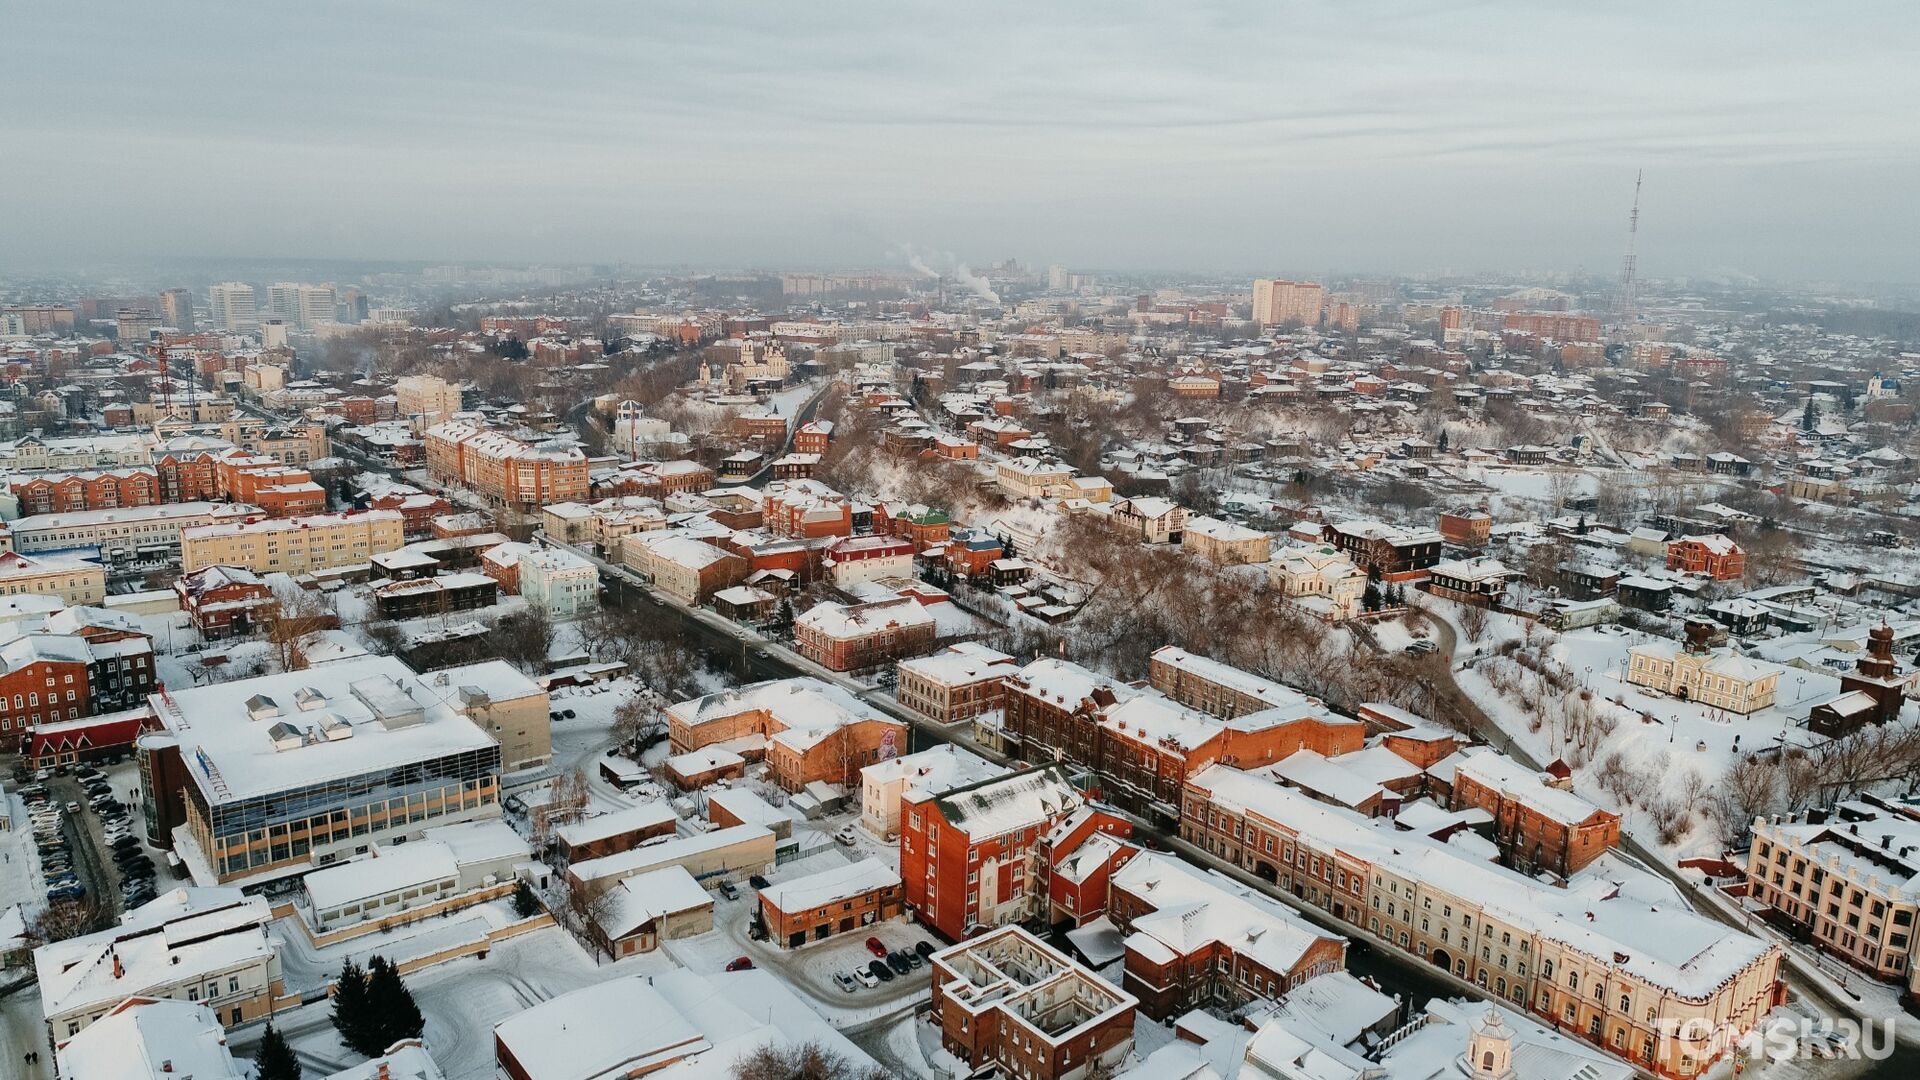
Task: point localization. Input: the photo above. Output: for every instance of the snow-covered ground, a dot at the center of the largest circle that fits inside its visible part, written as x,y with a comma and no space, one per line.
1643,754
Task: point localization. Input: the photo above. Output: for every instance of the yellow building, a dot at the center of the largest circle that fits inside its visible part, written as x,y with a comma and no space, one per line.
1720,678
298,545
1033,478
71,580
428,397
1225,542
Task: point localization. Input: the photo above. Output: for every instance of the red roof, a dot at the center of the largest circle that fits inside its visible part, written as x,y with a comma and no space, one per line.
112,729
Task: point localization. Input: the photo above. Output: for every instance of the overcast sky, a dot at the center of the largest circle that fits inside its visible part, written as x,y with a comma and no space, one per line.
1777,139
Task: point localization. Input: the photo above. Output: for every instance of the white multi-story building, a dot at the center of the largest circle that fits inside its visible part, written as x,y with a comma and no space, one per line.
208,946
559,582
233,306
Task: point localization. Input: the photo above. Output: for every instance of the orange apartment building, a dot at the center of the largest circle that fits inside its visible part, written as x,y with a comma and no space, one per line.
186,471
853,637
806,508
506,471
804,729
1466,527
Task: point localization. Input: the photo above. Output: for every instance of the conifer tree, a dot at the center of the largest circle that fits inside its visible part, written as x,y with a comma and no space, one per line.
351,1017
275,1059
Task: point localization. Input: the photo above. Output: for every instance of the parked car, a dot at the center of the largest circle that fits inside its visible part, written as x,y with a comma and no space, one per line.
866,977
877,949
845,982
898,962
924,948
1422,647
757,881
740,963
845,836
880,970
728,890
67,892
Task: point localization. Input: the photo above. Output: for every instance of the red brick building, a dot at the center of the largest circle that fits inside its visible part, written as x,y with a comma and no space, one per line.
810,730
58,493
44,679
417,508
840,900
1539,823
223,601
1080,854
1711,554
806,508
187,472
1195,940
1008,1000
813,437
970,856
851,637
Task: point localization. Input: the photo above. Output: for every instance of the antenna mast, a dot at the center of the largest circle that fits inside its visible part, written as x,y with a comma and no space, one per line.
1623,310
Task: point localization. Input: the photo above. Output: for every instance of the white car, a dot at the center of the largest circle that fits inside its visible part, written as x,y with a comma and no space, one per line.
845,836
866,977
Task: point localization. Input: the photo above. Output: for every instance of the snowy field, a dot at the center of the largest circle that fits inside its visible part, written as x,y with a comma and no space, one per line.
1676,751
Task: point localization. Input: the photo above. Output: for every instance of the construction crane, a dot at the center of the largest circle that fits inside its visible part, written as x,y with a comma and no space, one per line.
1623,302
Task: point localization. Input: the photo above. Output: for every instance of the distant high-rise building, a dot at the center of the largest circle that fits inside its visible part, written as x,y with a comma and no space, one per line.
232,306
353,305
317,306
133,326
283,302
176,306
1276,302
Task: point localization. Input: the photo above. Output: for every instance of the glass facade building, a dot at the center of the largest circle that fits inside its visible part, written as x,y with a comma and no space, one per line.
325,821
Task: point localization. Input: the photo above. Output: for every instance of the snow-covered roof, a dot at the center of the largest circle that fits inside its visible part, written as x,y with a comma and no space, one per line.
163,943
643,898
1194,909
650,815
274,732
828,886
391,869
144,1038
1668,946
1000,805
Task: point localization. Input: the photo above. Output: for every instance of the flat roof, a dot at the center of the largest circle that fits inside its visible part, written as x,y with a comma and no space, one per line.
228,731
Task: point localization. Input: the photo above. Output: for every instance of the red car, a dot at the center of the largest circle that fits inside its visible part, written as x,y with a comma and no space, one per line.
740,963
877,949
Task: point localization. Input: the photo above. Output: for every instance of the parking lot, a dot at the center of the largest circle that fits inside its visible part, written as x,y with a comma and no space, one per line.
85,844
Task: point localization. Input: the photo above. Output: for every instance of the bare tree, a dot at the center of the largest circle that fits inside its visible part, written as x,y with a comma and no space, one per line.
807,1061
292,618
525,639
638,719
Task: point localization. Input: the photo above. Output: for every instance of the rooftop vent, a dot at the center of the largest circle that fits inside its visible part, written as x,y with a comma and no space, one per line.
307,698
260,706
285,736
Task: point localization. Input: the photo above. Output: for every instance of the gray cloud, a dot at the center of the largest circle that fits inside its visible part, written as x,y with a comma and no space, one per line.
1319,137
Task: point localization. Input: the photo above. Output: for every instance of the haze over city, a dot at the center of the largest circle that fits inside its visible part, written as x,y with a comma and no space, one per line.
1309,138
1109,541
